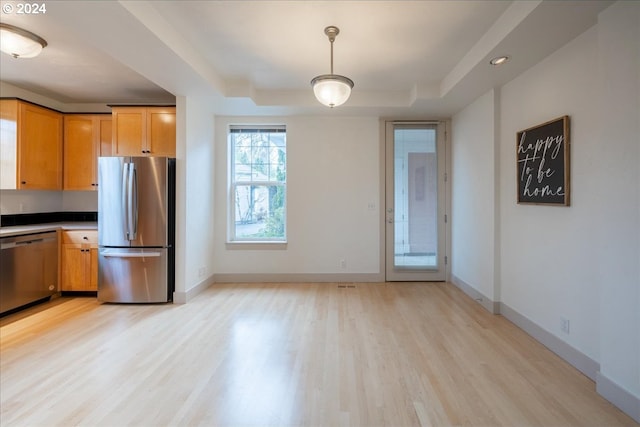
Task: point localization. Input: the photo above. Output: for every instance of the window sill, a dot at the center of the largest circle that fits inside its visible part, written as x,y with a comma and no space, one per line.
256,245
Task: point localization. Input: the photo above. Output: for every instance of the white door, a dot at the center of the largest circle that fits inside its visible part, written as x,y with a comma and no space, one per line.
415,201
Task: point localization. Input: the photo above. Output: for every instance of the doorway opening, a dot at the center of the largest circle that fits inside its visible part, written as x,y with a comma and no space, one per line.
415,201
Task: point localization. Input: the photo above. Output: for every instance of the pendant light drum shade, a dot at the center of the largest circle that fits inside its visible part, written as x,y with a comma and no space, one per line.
20,43
331,89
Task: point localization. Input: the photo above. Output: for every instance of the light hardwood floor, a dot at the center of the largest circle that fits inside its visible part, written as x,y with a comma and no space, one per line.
395,354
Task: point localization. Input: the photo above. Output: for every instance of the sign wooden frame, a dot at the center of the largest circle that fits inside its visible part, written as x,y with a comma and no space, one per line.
542,163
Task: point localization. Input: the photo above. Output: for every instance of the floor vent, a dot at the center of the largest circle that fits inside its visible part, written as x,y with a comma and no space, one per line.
346,286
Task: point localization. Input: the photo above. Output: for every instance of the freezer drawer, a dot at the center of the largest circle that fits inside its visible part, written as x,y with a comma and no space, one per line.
133,275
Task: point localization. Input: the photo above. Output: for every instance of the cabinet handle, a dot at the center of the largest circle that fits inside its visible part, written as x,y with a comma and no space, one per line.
23,182
85,238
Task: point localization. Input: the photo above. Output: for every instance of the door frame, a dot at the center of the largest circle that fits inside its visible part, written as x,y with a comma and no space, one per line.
444,178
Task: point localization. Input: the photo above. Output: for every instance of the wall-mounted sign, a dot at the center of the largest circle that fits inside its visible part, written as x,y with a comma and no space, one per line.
543,163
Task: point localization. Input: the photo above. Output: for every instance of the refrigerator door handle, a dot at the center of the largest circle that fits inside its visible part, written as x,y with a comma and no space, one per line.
133,183
132,203
125,199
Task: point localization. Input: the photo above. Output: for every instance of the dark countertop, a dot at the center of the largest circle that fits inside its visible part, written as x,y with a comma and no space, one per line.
18,230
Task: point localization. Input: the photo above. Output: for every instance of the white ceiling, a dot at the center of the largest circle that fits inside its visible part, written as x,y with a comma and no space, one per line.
407,58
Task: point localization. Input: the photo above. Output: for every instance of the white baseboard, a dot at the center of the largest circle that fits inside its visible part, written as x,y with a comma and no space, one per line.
303,278
577,359
607,388
614,393
490,305
184,297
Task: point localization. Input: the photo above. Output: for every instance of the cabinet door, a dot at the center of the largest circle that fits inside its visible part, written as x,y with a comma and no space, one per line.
39,148
74,267
80,152
93,269
106,132
79,260
161,131
129,131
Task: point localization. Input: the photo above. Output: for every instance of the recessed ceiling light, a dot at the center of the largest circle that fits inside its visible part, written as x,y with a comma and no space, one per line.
499,60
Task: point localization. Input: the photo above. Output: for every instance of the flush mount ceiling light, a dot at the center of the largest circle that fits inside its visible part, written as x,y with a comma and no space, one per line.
20,43
332,89
499,60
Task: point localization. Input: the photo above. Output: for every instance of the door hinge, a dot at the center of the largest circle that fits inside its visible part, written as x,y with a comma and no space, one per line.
445,177
446,260
445,218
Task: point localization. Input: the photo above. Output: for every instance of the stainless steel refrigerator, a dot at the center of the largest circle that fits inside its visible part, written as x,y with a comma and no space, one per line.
136,229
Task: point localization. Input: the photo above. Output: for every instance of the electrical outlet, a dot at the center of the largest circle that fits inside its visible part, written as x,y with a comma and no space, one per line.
342,263
565,325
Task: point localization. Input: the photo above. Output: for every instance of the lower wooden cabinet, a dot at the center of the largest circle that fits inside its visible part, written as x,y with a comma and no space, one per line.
79,249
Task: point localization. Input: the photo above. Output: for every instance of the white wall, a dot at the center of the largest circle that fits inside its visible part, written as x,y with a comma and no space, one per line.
10,91
617,220
473,196
24,201
195,195
333,175
550,254
580,262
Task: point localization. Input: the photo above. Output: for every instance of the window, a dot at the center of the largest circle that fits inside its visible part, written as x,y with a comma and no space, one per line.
258,179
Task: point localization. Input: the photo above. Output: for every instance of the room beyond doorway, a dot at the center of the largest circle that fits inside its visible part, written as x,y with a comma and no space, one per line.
415,214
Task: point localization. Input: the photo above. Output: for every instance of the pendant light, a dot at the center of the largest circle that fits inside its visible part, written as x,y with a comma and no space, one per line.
332,90
20,43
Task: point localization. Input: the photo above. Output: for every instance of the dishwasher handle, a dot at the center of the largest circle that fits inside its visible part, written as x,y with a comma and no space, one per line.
28,242
10,245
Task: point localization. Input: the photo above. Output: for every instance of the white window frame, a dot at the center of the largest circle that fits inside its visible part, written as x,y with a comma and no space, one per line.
232,184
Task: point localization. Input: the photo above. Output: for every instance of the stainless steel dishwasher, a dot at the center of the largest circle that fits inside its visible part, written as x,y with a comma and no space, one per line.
28,269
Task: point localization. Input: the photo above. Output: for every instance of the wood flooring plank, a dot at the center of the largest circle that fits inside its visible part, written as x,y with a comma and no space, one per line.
294,354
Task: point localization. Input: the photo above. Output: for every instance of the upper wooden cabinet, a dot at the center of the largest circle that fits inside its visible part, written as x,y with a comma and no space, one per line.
85,139
144,131
31,141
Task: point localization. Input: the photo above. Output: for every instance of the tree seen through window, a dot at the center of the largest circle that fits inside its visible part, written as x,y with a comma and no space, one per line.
258,187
